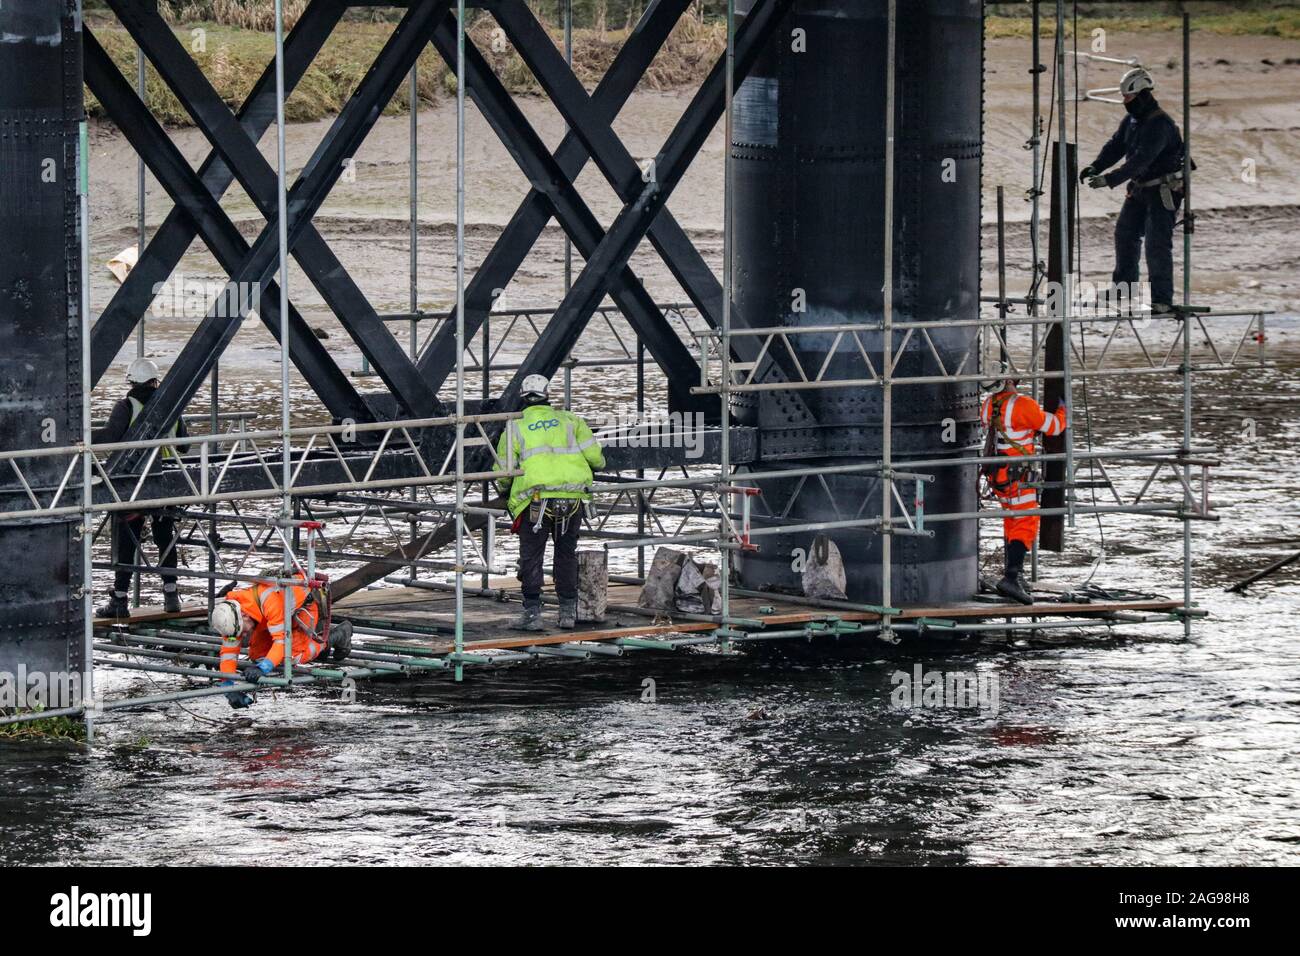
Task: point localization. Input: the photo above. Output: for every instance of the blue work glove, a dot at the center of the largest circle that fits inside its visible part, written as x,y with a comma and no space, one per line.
255,672
238,699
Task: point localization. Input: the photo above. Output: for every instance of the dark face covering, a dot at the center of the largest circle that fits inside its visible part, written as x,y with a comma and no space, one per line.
142,391
1141,105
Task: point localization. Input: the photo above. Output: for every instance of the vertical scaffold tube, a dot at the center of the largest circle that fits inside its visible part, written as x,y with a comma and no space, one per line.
728,281
1189,226
460,337
282,217
887,332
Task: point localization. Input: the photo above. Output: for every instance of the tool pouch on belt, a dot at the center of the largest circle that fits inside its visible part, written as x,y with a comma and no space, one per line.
1015,472
1167,196
561,510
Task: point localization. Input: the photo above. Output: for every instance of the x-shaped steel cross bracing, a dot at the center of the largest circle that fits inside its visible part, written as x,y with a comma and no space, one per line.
236,156
547,177
590,135
178,230
647,201
305,197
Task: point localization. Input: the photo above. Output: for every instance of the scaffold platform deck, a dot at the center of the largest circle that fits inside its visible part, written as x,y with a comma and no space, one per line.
488,617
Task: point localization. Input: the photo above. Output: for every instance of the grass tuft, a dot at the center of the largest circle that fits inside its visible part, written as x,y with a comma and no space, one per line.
44,728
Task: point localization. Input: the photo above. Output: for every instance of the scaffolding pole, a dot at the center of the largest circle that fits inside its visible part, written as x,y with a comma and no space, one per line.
87,703
887,339
460,337
724,356
282,224
1189,226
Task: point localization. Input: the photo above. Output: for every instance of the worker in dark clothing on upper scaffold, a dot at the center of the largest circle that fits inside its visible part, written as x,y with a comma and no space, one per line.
1151,146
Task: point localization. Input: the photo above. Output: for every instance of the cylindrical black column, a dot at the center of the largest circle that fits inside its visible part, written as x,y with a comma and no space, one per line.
40,328
809,150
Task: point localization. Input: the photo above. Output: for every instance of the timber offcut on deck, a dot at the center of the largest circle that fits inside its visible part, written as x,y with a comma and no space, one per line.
488,619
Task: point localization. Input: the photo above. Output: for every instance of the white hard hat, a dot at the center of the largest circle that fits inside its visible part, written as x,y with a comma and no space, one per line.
1135,81
1007,375
227,618
535,385
142,370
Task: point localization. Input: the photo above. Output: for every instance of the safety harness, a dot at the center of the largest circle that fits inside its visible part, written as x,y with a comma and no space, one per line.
137,407
318,595
1169,183
1015,471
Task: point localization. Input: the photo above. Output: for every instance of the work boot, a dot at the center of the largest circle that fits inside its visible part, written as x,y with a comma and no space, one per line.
530,619
171,600
568,613
340,645
1011,587
1012,583
117,608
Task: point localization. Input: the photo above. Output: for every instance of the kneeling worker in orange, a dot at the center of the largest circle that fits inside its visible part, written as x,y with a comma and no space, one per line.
1013,422
256,616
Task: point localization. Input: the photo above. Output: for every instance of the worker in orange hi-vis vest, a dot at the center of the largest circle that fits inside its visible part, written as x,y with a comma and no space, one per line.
1013,422
256,616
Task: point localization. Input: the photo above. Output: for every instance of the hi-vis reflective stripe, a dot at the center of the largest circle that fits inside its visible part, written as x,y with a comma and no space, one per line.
137,407
1025,498
314,647
571,447
549,450
1006,413
1018,435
